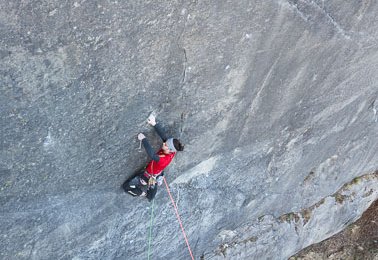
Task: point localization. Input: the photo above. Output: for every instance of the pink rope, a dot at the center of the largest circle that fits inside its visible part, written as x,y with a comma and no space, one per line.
178,217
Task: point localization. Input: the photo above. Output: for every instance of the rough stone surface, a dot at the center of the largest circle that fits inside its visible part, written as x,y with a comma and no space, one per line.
357,241
276,101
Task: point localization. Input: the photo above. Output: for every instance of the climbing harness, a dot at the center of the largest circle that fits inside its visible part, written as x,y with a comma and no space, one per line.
151,181
178,217
152,178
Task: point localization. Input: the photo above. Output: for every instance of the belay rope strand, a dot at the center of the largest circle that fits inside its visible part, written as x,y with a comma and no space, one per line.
150,232
178,217
151,219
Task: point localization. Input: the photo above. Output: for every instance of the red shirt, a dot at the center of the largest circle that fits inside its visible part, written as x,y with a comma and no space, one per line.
156,168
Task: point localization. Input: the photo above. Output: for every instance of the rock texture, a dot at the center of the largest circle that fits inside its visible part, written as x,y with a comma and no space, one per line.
357,241
275,100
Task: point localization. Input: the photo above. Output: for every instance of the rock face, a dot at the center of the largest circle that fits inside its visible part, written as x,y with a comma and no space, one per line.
275,100
357,241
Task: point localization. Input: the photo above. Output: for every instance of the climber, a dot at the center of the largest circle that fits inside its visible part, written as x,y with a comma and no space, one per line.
145,183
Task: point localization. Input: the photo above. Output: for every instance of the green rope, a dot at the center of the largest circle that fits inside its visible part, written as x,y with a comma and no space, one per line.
150,233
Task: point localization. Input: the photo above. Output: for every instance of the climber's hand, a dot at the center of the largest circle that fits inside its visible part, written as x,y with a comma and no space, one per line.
141,136
151,120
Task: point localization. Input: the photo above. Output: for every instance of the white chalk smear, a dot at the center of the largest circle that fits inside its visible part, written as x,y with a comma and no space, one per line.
49,141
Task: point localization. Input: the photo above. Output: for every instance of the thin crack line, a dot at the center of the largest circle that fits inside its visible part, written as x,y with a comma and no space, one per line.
185,61
303,16
330,18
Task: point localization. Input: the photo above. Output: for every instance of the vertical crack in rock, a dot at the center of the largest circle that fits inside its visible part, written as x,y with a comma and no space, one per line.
180,46
184,52
184,70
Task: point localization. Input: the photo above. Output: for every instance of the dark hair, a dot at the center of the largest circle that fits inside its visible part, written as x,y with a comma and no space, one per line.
178,145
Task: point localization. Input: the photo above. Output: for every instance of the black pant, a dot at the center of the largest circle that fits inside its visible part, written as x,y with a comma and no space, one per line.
134,187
